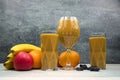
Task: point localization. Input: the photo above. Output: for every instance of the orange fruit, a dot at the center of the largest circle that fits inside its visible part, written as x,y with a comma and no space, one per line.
73,56
36,54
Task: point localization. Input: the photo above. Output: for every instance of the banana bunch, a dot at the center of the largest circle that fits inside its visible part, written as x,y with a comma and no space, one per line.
16,49
9,63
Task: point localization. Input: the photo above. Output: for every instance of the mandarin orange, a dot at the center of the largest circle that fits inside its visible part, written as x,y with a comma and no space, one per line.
36,54
73,56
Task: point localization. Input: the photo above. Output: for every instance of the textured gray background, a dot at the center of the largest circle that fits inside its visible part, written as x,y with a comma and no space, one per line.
21,21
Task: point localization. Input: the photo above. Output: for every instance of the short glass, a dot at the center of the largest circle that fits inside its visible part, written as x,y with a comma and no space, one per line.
49,49
97,44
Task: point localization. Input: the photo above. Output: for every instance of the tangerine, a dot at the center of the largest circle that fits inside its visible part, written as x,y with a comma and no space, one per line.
36,54
73,56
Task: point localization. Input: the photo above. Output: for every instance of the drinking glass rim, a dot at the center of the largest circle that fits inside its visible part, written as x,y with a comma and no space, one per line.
98,34
68,17
49,31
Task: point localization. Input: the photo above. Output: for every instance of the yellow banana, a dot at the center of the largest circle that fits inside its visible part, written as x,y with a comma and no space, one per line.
23,47
10,57
8,65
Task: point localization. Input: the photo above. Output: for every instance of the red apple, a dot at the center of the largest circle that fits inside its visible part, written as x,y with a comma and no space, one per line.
23,61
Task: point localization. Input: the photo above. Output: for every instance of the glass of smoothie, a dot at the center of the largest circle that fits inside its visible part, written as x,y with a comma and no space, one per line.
49,49
97,44
69,33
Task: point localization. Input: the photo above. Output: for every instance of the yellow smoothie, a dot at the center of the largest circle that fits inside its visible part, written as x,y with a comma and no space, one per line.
49,48
69,32
98,51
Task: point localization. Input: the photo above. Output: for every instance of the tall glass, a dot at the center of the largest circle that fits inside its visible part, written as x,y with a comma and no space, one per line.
49,48
69,33
97,43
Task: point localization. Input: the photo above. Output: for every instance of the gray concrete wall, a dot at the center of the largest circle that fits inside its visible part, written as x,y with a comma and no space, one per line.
21,21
